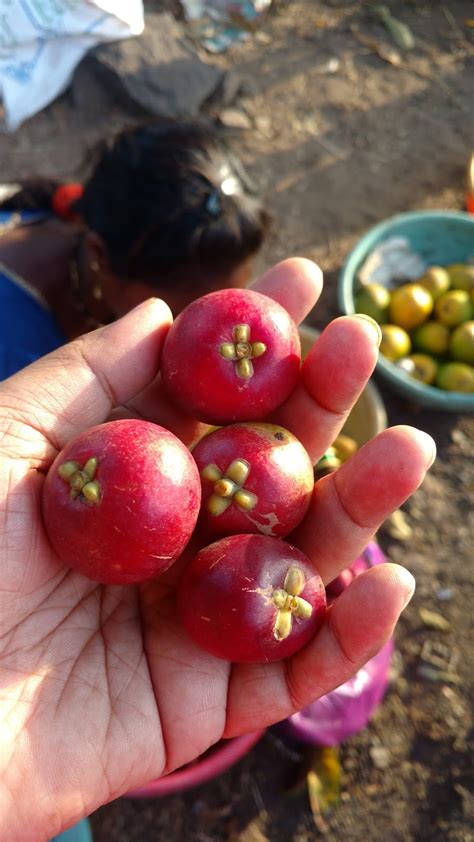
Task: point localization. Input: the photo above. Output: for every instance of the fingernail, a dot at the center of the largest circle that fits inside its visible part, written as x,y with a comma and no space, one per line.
432,457
143,304
158,304
429,447
377,333
410,586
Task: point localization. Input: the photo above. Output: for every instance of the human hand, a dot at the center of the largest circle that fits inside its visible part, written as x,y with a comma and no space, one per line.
100,688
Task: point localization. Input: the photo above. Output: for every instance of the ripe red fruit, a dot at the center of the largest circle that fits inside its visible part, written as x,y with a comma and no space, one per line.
121,500
232,355
255,478
251,598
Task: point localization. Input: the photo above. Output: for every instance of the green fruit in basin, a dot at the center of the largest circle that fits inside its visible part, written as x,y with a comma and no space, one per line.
461,346
461,276
436,280
344,447
453,307
373,301
395,342
410,306
432,338
456,377
424,367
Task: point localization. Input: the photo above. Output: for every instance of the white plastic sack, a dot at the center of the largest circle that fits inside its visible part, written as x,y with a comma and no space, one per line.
42,41
391,262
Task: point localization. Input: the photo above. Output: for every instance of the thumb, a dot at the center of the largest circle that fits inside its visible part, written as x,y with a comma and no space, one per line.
51,401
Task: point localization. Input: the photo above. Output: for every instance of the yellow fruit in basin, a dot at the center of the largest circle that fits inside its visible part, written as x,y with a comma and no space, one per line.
410,306
344,447
461,346
453,307
425,368
432,337
395,342
373,301
456,377
461,276
436,280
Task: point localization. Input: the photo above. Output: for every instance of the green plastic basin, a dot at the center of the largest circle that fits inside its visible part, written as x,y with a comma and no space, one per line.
441,238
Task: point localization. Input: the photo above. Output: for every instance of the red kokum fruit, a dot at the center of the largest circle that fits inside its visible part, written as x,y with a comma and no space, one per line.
120,501
255,477
233,355
251,598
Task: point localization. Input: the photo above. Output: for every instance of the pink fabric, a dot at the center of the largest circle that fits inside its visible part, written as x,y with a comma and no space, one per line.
345,711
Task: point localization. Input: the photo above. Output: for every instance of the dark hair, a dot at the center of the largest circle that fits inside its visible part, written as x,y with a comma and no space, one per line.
169,199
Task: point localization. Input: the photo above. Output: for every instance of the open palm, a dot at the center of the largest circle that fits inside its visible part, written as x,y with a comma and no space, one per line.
100,688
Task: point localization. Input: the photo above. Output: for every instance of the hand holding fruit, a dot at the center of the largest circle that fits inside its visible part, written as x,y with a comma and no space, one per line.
101,687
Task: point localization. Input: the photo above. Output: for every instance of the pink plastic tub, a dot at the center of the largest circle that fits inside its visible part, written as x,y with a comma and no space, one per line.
218,759
333,718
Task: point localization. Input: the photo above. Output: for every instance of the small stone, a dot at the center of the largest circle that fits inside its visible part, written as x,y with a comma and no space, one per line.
331,66
371,789
263,37
264,126
460,438
439,655
448,693
437,676
444,594
380,757
433,620
158,71
309,125
467,800
398,527
233,118
396,666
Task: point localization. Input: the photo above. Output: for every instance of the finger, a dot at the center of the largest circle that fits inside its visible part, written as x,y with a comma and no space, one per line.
76,386
348,506
295,283
334,374
358,624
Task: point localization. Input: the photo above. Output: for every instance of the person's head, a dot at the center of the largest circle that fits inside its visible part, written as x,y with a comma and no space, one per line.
168,214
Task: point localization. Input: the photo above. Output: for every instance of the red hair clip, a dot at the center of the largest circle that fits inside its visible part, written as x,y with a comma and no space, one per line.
64,198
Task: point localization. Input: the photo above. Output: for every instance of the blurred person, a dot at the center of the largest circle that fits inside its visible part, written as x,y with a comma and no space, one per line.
166,212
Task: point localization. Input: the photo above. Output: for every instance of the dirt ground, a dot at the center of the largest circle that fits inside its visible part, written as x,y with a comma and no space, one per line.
335,152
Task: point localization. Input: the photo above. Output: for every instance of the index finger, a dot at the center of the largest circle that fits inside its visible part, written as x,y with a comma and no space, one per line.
333,375
295,283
